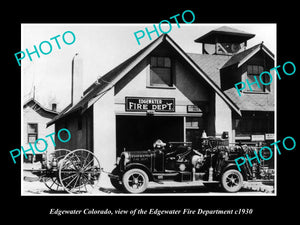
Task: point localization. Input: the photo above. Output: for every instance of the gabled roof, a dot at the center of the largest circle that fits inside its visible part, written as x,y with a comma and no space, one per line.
213,64
107,81
36,106
242,57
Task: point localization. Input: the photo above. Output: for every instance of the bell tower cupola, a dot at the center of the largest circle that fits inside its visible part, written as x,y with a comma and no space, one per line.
224,41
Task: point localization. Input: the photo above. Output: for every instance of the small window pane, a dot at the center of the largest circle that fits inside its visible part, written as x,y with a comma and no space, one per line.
153,61
188,123
32,138
160,76
250,70
160,72
167,62
195,123
32,128
29,158
192,122
254,87
265,78
160,62
255,69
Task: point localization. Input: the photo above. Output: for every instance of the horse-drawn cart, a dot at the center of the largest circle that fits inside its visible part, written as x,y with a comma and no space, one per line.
73,171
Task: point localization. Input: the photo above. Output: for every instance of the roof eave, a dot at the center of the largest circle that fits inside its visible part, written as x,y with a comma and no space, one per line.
261,47
39,104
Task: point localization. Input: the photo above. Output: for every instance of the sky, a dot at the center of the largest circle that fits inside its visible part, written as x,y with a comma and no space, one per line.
102,47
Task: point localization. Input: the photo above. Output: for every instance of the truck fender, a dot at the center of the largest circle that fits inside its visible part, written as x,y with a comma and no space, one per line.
142,167
233,166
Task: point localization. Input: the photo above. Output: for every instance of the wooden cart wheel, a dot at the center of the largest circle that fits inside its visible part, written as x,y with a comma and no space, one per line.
51,180
52,183
79,171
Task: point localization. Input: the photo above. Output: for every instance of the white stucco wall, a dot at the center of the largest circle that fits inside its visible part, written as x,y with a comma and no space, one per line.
186,89
223,119
105,134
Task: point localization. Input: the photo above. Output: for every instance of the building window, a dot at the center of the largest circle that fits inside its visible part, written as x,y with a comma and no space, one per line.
32,132
160,72
193,122
29,158
194,127
255,123
252,72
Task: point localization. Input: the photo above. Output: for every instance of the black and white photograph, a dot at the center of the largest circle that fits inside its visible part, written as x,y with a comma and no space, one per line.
146,112
149,109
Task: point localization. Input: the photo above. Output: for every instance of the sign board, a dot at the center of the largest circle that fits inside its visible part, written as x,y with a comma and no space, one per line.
144,104
242,138
193,109
270,136
257,137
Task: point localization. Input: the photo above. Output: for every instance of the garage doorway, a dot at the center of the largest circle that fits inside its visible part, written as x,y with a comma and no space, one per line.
138,133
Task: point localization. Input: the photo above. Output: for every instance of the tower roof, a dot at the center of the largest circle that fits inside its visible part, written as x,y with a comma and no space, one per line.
225,34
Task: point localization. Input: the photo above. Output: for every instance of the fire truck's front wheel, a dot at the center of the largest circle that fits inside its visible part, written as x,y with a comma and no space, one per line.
135,181
232,180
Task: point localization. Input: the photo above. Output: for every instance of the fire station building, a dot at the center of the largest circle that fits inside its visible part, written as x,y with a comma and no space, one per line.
162,92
